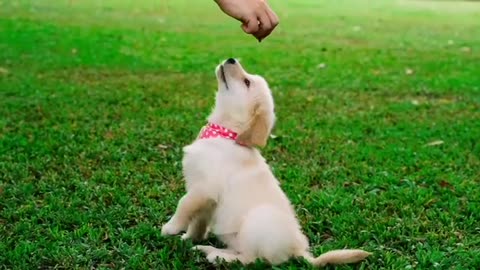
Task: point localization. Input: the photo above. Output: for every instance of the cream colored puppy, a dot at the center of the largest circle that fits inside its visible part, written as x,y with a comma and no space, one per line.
231,190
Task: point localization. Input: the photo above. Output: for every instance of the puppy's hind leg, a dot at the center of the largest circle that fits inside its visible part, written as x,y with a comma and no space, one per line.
227,256
216,254
269,234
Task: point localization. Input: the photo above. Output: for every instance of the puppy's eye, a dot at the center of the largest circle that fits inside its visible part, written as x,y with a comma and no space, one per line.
247,82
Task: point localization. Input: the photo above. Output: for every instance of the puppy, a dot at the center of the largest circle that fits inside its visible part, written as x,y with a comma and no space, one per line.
231,190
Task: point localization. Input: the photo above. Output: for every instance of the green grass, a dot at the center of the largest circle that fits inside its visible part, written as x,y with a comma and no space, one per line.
97,99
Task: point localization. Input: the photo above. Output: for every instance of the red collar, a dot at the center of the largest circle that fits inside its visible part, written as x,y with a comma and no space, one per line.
217,131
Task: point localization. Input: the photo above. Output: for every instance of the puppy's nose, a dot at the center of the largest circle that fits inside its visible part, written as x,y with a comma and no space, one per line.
231,61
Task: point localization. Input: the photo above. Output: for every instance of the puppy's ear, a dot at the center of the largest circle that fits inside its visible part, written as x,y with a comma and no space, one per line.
258,128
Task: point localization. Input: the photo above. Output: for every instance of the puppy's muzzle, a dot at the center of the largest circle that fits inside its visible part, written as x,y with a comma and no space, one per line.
229,67
222,75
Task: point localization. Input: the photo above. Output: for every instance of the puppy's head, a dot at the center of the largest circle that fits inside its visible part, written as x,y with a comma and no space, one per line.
245,100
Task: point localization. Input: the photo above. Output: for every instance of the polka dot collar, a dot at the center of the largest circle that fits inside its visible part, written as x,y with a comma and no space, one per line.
216,131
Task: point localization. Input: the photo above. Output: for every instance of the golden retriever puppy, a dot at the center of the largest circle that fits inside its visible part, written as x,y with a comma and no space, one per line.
231,190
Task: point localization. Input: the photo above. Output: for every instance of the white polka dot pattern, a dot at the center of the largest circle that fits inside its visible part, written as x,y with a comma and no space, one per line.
217,131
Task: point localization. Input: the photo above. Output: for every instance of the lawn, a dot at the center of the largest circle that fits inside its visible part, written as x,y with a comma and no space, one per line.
377,141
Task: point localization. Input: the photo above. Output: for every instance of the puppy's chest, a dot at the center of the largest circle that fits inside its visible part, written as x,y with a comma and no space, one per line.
210,162
216,154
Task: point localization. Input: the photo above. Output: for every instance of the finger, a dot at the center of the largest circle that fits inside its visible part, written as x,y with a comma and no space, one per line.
273,17
265,26
250,25
273,20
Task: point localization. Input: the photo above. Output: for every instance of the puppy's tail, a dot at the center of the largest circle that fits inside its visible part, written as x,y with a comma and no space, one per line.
341,256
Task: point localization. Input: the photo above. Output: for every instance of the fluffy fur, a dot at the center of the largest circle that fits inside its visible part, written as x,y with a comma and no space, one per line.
231,190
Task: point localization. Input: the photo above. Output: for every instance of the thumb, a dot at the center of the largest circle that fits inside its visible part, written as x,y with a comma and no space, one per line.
250,25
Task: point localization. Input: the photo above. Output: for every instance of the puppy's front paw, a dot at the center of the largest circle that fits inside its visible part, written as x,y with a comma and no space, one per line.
186,236
170,229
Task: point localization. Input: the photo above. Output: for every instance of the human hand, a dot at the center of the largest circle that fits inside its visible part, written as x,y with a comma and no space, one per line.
256,16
